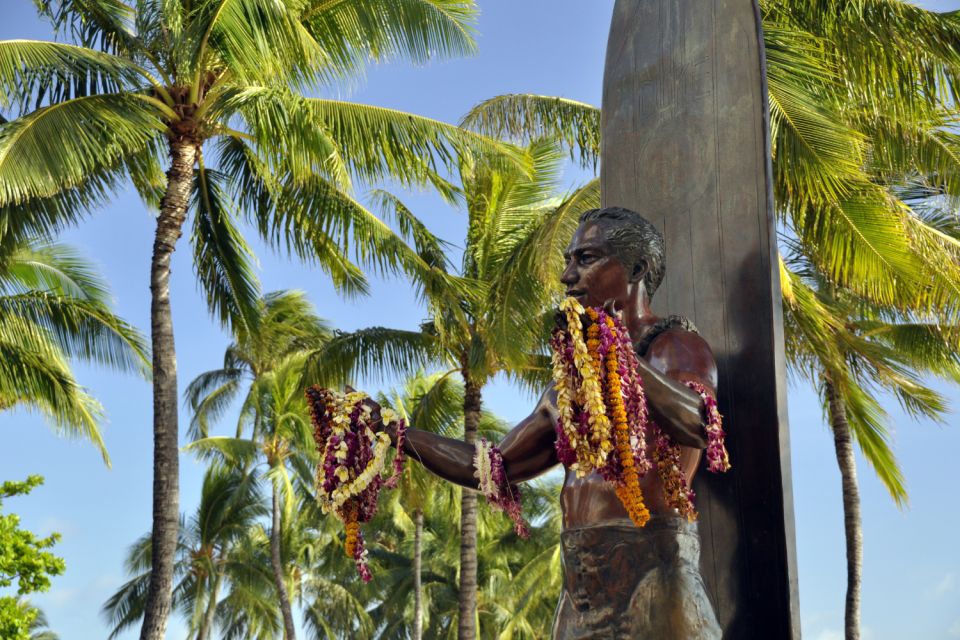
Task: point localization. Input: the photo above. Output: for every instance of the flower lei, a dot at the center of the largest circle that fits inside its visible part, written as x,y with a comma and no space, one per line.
718,460
603,416
352,457
494,485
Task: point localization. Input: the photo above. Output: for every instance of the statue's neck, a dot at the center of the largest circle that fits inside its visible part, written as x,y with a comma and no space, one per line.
637,315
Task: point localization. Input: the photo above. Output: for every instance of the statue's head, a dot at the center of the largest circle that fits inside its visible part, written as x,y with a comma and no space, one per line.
613,251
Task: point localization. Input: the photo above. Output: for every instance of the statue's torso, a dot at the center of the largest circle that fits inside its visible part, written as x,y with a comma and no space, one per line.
591,500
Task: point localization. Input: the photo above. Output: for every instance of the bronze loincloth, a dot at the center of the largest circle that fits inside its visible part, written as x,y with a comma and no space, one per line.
623,581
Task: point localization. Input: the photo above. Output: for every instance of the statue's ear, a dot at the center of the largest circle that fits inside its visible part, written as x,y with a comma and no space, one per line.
640,269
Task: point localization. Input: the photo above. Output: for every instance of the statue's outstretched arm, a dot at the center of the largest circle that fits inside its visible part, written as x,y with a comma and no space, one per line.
527,449
675,357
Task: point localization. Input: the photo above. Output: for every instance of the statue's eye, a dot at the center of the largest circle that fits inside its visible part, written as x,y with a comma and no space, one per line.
587,258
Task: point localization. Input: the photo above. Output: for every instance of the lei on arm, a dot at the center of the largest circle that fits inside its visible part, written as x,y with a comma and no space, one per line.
604,421
352,458
494,485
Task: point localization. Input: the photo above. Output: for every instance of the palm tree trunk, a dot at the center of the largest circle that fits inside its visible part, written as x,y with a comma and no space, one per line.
467,627
289,632
417,586
207,625
851,509
166,464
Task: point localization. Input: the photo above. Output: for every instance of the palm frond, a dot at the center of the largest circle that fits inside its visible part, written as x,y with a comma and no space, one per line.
38,72
256,41
372,353
817,155
354,31
80,328
293,218
34,375
235,451
54,268
107,24
379,143
526,117
126,607
209,395
104,129
222,257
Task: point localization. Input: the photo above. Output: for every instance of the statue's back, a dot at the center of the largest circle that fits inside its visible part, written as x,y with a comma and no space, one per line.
685,143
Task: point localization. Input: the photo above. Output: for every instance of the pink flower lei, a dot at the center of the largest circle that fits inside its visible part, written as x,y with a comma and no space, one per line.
352,458
718,460
580,447
494,485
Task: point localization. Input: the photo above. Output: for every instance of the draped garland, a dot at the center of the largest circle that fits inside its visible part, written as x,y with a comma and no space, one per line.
352,458
604,421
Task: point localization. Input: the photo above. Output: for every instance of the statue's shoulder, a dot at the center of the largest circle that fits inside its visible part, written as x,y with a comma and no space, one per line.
673,324
678,350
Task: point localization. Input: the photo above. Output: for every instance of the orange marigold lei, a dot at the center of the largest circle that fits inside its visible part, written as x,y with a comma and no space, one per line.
603,409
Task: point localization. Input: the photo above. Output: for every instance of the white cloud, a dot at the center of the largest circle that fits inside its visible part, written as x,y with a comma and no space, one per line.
946,584
108,581
830,634
954,630
52,524
62,596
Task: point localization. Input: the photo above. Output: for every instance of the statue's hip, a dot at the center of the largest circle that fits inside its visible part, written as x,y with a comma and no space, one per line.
623,581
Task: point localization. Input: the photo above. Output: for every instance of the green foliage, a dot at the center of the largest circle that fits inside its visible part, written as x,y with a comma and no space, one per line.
54,307
25,560
135,78
230,504
496,328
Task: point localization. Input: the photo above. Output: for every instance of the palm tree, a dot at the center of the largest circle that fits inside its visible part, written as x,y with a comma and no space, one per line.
861,100
39,627
213,86
54,307
271,359
519,578
283,429
229,506
496,323
414,547
432,403
852,349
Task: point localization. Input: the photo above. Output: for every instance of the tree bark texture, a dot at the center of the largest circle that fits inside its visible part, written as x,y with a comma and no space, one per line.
276,559
166,463
417,585
467,622
843,443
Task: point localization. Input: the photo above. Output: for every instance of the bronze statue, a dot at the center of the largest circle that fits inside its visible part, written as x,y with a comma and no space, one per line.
620,580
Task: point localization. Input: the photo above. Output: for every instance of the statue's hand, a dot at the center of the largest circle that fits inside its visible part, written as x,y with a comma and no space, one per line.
376,411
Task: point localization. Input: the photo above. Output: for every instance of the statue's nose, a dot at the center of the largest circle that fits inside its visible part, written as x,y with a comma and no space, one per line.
569,275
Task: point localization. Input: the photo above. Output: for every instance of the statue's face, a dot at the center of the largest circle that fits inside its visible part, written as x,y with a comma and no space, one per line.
593,273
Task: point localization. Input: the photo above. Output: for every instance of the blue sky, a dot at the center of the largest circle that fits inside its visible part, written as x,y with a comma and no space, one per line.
912,563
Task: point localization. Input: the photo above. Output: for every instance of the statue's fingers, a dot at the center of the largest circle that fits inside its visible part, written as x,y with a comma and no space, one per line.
610,306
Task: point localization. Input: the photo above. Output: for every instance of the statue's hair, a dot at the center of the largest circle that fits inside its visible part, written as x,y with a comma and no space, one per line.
633,239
